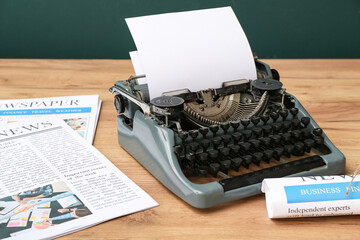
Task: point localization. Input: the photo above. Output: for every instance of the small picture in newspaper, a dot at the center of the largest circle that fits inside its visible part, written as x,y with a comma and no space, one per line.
39,208
78,124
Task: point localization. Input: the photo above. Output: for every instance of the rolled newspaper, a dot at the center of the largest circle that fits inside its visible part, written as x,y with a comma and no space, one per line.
312,196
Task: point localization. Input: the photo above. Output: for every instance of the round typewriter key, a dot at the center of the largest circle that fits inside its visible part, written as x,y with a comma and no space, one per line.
225,151
309,143
194,146
245,146
305,121
289,149
284,113
214,168
183,135
214,129
257,131
202,170
296,134
265,118
193,133
235,124
295,123
254,143
305,132
225,126
294,112
226,139
276,139
278,152
247,160
317,131
276,127
267,130
286,137
265,140
204,131
319,140
245,122
234,149
247,134
236,136
268,155
216,142
205,143
203,157
255,120
257,157
286,125
299,149
213,154
236,163
274,116
225,165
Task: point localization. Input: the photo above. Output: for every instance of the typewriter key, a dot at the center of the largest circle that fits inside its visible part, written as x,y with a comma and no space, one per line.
284,113
294,112
204,131
235,125
225,126
317,131
265,118
305,121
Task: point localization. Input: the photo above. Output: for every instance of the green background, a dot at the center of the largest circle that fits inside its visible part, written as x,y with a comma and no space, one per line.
96,28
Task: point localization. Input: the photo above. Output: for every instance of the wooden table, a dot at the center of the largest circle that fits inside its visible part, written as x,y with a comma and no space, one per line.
329,90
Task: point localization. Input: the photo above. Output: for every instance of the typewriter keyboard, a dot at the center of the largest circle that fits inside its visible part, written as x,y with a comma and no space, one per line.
244,152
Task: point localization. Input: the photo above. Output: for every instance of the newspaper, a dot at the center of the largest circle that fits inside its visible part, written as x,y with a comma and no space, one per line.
53,182
79,112
312,196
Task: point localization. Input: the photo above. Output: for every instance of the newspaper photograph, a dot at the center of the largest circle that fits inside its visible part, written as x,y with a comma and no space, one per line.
79,112
53,182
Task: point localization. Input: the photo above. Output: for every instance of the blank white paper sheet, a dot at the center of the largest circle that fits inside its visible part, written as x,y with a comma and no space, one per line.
138,67
196,50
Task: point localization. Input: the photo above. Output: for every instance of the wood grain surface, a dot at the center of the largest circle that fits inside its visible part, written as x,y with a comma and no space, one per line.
328,89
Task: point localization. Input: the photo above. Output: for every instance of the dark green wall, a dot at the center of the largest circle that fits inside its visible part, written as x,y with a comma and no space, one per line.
96,28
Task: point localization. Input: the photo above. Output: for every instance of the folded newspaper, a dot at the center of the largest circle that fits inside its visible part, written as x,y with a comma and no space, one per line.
79,112
53,182
312,196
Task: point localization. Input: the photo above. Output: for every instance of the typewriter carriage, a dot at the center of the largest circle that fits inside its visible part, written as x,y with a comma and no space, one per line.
152,140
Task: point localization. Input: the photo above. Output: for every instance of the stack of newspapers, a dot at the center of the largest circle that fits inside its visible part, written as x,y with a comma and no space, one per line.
53,181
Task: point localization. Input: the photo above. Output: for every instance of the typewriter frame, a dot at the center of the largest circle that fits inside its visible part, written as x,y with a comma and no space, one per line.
152,145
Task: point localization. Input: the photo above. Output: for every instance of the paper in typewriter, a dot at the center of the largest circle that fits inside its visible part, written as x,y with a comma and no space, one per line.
138,67
195,50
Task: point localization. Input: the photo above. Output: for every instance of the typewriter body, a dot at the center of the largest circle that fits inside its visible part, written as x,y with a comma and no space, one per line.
217,145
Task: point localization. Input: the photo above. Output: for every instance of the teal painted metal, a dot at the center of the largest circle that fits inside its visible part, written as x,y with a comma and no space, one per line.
152,145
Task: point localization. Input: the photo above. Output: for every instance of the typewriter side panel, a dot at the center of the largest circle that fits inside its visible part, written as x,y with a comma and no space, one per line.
151,145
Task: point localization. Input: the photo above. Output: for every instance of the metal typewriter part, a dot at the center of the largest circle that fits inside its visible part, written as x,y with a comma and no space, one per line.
217,145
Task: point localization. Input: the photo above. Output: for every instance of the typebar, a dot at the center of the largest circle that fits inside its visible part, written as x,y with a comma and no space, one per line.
278,171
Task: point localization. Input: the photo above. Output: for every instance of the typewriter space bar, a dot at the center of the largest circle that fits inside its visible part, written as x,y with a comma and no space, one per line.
278,171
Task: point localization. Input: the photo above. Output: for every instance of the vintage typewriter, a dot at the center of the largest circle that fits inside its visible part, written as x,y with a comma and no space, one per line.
217,145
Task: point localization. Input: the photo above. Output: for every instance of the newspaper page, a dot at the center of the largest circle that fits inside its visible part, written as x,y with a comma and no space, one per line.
53,182
79,112
312,196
